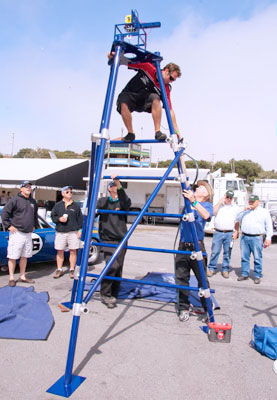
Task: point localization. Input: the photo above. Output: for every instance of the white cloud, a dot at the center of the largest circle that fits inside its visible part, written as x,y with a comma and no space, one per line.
225,101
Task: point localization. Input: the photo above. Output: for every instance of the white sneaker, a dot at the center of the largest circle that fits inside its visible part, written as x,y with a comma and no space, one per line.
183,315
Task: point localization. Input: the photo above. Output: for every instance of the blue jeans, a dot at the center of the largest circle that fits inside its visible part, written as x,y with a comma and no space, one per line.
220,240
254,245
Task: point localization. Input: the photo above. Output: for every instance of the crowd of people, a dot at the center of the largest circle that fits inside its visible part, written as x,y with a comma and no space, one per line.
253,224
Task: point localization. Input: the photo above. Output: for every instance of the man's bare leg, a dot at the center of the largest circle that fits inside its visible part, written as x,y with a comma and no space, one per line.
72,259
60,259
11,265
22,267
157,114
157,117
127,117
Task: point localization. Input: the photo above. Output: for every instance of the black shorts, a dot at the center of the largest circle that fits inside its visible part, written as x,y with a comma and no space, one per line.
139,102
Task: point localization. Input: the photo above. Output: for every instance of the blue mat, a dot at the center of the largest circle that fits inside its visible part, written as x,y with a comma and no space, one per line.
24,314
131,290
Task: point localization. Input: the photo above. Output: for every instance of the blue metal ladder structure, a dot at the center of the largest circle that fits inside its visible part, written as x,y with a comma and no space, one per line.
68,383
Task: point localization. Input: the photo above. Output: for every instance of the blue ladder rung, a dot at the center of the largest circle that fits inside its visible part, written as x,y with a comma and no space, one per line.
142,178
138,141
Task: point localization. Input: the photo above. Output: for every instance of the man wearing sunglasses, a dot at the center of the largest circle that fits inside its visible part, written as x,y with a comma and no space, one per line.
68,217
143,94
226,213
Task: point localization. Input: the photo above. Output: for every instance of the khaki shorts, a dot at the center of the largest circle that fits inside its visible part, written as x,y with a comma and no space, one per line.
67,240
20,245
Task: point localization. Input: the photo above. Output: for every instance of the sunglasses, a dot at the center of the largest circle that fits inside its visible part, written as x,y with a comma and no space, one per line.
171,78
68,191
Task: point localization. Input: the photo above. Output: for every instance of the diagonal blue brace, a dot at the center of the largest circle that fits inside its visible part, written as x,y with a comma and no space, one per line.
133,227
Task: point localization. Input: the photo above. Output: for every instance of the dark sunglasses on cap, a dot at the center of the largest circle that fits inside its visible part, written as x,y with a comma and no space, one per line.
68,191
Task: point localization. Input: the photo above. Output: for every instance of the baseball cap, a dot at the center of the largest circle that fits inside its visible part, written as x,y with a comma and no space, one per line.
112,184
230,193
253,197
65,188
25,183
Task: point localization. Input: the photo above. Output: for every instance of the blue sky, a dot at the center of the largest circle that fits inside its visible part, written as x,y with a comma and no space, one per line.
54,73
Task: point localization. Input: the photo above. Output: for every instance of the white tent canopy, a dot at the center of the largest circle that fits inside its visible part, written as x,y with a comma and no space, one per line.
54,173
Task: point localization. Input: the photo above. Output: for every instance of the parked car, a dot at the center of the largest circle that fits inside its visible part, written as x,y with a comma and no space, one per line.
43,243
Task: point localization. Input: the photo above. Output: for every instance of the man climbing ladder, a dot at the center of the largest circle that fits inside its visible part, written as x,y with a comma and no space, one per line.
143,94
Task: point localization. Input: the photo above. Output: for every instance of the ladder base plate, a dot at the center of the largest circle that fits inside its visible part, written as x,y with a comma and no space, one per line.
60,390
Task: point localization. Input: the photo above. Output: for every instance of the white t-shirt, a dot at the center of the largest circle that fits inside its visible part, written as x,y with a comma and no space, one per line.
226,217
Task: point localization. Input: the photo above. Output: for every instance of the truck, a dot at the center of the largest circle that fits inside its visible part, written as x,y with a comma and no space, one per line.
266,189
169,199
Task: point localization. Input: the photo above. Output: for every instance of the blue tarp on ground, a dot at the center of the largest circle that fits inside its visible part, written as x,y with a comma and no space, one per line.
131,290
24,314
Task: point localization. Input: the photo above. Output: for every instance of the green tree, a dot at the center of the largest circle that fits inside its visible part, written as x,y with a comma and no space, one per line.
43,153
247,169
268,174
26,153
225,167
86,153
67,154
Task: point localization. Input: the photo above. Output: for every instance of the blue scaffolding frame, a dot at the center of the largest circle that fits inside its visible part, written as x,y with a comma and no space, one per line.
69,382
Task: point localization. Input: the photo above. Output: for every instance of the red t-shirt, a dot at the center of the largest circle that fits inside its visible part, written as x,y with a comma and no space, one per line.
150,71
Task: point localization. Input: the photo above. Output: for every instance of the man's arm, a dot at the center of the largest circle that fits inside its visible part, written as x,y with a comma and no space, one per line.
36,224
268,229
175,126
7,213
198,207
218,205
125,202
80,218
236,233
54,214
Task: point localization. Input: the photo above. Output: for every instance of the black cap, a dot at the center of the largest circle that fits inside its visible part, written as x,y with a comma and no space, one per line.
25,183
112,184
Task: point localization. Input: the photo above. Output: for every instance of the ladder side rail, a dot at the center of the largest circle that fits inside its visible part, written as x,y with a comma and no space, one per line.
106,116
197,249
91,216
133,226
164,96
187,203
81,283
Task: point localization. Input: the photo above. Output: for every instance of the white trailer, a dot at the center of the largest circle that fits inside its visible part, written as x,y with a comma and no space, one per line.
169,199
266,189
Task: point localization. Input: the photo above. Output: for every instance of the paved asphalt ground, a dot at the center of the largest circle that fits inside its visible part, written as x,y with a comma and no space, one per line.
140,350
